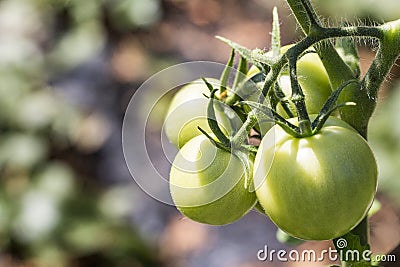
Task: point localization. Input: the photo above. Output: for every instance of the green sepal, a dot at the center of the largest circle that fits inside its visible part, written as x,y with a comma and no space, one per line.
249,87
258,77
213,141
227,72
330,106
276,33
244,159
211,118
240,76
252,56
250,148
288,127
241,72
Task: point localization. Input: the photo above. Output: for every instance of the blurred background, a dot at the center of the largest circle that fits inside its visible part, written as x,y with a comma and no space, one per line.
68,69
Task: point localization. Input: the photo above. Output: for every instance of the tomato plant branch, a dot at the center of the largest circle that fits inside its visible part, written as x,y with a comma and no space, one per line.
272,76
389,50
240,137
311,15
337,69
363,95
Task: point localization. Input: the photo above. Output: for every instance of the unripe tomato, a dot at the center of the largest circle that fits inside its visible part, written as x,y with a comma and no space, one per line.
188,110
208,184
317,187
284,238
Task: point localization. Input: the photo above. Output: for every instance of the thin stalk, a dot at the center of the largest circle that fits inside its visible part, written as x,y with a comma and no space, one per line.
337,69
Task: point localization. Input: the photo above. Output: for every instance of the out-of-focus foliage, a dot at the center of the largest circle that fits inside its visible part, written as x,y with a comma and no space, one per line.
379,10
51,213
384,135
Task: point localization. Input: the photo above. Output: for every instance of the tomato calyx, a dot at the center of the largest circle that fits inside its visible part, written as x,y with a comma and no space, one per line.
225,76
212,122
316,124
331,106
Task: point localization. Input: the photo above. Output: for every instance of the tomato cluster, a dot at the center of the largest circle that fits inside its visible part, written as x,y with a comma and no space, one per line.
314,187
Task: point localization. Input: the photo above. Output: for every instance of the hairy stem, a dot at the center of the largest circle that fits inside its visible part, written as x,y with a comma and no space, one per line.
243,132
337,69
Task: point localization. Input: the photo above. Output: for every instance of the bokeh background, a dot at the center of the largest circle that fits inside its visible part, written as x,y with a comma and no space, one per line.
68,69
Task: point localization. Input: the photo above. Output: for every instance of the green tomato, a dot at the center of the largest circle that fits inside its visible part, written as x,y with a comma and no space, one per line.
313,79
207,184
317,187
284,238
188,110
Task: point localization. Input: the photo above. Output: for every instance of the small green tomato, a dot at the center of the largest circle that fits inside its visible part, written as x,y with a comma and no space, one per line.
188,110
207,184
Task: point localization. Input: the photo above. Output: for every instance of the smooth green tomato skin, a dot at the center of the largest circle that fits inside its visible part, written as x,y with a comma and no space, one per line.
188,110
319,187
207,184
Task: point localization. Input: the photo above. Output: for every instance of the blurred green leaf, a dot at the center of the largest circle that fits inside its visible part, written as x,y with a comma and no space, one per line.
384,136
22,151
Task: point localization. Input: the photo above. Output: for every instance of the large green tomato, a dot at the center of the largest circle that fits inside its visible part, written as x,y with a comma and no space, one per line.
317,187
188,110
208,184
313,79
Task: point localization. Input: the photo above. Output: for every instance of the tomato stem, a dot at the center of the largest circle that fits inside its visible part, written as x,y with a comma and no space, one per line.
334,64
272,76
240,137
280,95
